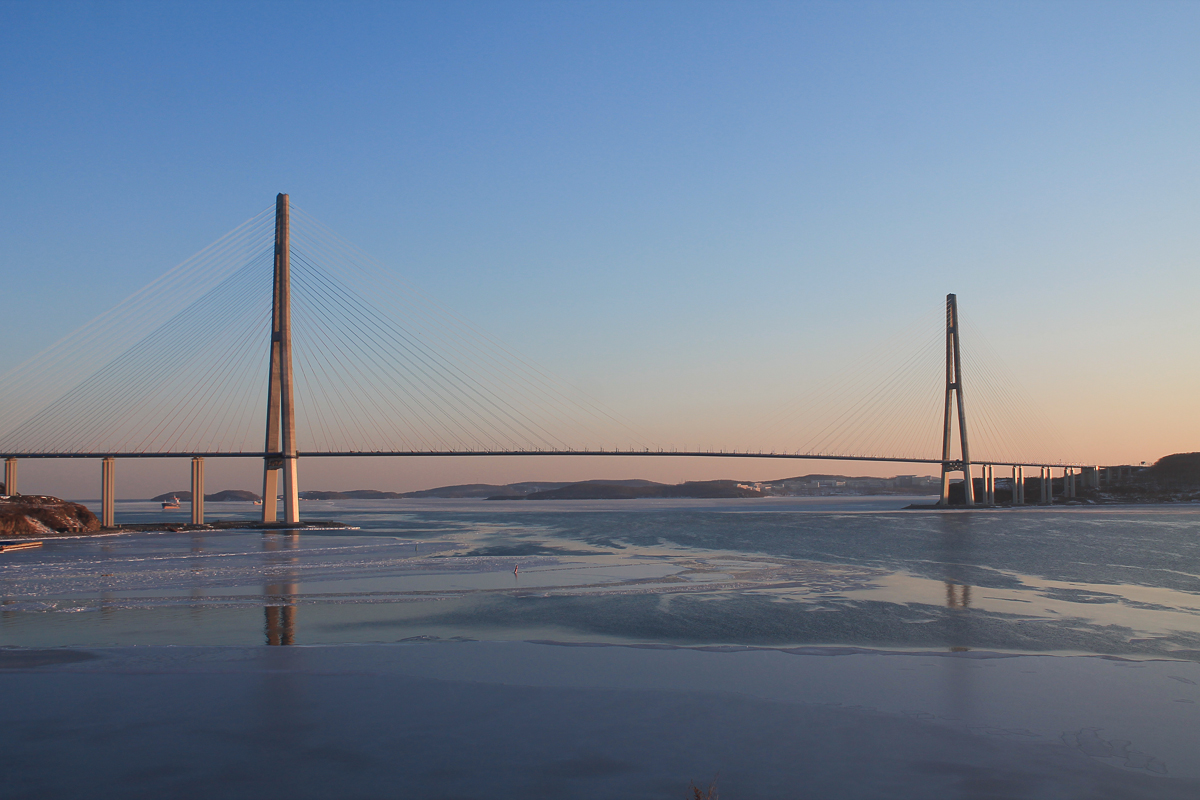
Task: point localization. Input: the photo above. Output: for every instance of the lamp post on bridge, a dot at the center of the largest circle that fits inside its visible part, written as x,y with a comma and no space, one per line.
280,449
954,389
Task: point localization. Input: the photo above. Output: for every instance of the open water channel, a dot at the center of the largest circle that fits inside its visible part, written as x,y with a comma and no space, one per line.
799,647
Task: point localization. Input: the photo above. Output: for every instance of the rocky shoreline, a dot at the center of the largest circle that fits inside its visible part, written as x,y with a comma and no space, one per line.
42,515
31,515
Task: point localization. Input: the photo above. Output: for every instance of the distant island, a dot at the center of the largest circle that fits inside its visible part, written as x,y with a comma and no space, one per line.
216,497
800,486
632,489
460,491
1173,478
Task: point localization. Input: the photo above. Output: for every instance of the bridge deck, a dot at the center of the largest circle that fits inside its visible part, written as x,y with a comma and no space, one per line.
593,453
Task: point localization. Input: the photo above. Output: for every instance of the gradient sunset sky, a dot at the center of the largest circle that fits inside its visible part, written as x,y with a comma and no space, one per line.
688,210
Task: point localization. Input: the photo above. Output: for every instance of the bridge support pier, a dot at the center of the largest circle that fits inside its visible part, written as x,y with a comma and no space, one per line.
270,497
107,492
10,476
291,496
197,491
1091,477
989,485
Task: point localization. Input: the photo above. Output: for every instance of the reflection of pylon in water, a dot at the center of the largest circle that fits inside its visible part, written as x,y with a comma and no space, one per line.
957,595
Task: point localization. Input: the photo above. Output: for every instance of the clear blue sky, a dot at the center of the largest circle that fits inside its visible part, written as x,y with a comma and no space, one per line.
660,201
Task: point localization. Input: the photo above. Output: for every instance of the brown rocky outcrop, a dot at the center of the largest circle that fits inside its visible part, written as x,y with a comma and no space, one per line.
40,515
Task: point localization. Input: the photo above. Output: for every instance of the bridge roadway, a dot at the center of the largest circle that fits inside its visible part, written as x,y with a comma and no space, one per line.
609,453
1091,475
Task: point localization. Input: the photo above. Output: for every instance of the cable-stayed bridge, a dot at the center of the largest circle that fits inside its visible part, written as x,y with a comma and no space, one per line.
280,341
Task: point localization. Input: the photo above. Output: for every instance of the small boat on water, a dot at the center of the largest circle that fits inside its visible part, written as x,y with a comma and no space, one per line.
17,544
170,504
258,502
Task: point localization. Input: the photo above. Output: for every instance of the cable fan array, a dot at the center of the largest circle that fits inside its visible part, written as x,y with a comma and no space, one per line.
181,367
377,367
890,403
1006,425
884,404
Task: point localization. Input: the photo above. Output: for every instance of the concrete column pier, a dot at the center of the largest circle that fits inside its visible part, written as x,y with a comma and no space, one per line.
10,476
291,496
107,492
197,491
990,488
270,498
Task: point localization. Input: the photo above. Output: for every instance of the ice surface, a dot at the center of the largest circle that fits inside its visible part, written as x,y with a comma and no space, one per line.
797,649
1106,581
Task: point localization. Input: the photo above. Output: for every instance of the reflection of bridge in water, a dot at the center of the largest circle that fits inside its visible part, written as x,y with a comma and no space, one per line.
280,597
341,354
958,595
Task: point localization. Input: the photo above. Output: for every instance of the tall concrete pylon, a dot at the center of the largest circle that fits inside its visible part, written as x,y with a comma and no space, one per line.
954,389
280,449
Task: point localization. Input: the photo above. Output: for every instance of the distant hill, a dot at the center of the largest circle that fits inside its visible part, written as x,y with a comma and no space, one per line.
479,490
632,490
224,496
550,490
508,491
353,494
813,477
1176,471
